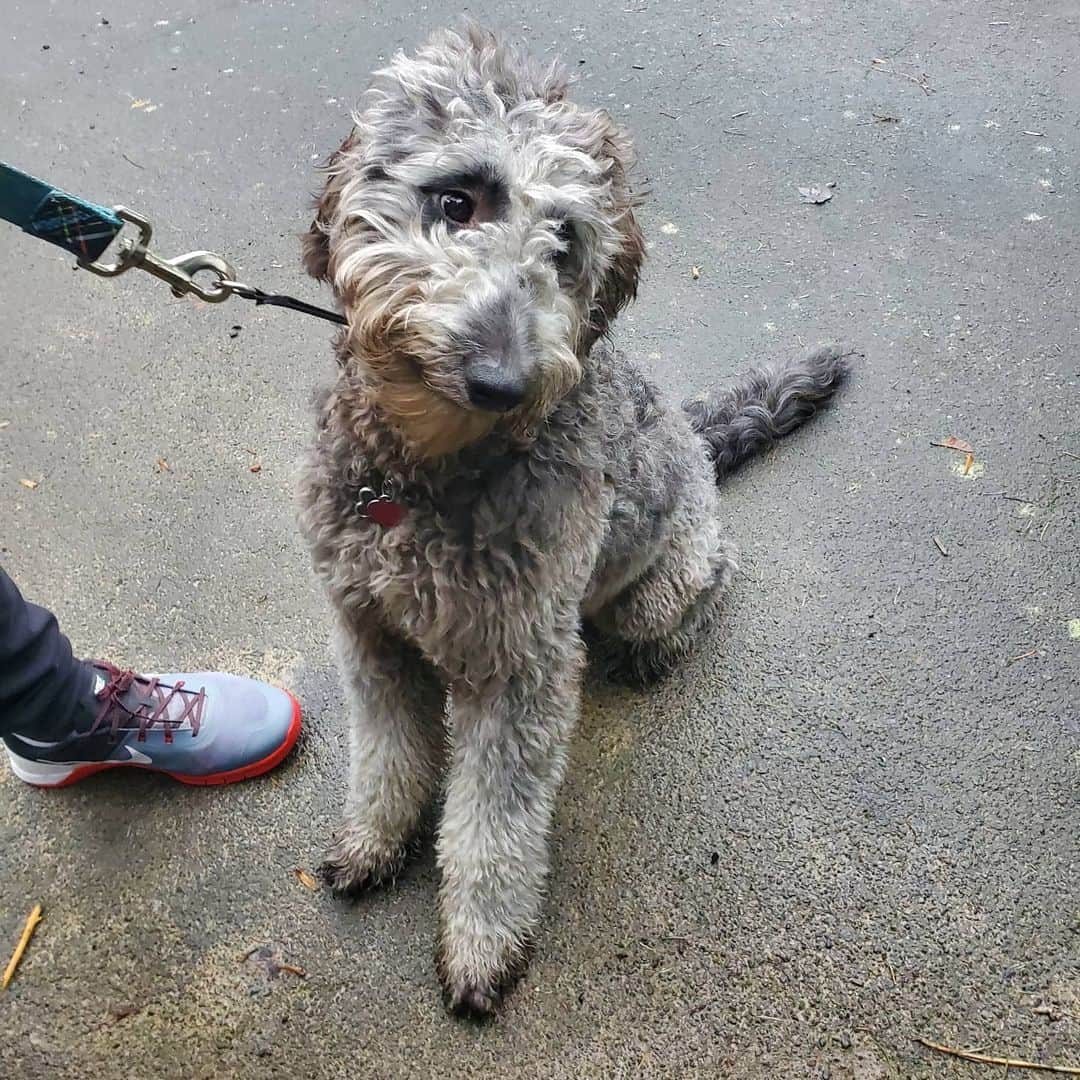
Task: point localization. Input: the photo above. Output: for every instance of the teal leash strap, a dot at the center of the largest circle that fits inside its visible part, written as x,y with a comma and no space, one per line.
80,227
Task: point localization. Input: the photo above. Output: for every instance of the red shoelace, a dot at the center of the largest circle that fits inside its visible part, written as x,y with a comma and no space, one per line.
148,706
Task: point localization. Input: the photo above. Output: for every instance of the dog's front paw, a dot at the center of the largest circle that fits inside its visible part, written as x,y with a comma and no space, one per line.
471,1001
353,864
474,978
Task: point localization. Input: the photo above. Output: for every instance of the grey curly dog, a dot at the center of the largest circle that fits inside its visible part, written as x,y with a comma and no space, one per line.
489,476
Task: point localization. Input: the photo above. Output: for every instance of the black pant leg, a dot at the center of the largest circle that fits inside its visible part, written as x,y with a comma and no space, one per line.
41,682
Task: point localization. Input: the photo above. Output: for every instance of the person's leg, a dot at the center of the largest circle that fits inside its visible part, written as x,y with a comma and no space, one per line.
41,682
62,718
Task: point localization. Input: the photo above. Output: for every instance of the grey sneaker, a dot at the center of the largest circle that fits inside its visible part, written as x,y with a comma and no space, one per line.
206,728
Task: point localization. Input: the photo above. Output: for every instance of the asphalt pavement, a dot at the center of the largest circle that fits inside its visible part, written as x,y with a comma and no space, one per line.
850,821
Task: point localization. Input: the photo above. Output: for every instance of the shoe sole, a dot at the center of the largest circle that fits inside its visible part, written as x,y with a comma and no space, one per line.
31,772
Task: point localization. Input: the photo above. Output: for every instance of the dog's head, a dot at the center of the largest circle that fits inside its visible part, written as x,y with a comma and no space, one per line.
478,229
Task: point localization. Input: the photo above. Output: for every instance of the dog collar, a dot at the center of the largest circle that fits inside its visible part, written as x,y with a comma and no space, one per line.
382,507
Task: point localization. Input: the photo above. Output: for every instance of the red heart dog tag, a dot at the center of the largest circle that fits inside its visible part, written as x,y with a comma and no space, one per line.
385,512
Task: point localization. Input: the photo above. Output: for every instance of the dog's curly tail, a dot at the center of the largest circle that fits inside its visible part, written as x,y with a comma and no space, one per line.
765,405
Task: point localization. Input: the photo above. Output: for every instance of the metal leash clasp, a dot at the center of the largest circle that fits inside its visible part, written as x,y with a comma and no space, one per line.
178,274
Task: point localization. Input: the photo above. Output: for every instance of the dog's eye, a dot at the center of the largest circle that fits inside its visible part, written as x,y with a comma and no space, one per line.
565,235
456,206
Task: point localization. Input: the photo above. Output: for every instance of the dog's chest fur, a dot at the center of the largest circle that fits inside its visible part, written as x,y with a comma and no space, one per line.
504,542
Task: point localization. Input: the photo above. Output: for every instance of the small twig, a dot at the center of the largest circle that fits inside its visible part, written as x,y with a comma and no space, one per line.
1036,134
877,64
1009,1063
728,131
1022,656
28,932
130,162
939,545
1069,453
300,973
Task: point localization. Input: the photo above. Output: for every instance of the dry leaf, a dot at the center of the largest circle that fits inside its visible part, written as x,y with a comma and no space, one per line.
163,465
122,1012
306,879
264,959
257,467
695,272
953,443
815,195
31,484
969,460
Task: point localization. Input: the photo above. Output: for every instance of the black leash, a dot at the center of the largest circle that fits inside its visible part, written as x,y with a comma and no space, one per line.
249,292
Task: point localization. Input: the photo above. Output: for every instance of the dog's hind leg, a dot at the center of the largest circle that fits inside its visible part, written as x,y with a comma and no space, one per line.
396,705
509,751
653,624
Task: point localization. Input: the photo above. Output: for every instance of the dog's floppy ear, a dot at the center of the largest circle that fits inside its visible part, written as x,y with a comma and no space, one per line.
315,243
619,286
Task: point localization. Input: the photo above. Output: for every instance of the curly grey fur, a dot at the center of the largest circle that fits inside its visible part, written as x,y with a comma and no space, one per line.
594,501
763,406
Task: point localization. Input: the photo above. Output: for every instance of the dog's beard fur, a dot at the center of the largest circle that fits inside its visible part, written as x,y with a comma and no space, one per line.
421,294
409,301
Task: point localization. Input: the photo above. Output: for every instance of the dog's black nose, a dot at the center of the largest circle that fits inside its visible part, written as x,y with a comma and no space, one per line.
494,389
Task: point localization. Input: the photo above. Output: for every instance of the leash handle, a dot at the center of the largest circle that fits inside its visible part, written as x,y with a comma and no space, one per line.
82,228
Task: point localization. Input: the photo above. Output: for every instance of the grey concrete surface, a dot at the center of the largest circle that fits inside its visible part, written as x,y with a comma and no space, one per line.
850,820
